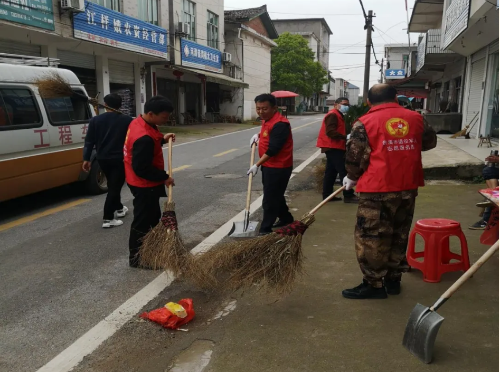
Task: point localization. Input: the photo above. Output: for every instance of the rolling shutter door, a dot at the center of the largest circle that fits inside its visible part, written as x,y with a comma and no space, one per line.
494,47
68,58
121,72
476,87
11,47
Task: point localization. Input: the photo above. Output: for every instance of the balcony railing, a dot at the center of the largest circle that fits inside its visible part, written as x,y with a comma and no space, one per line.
430,44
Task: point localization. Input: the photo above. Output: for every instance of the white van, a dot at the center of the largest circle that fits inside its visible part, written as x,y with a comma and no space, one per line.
41,140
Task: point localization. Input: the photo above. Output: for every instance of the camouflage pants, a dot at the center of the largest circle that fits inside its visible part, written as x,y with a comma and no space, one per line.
381,236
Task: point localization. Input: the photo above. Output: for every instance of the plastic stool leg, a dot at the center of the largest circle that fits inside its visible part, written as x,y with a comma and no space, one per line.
465,251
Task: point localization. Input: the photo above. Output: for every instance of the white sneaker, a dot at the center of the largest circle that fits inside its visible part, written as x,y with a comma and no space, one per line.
122,212
107,223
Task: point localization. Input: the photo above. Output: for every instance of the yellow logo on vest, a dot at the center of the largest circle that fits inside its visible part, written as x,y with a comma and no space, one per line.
397,127
264,134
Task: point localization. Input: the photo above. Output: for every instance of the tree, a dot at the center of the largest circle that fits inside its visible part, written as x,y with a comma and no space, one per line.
293,67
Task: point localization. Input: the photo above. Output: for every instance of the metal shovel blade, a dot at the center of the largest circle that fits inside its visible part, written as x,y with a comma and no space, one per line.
244,229
421,332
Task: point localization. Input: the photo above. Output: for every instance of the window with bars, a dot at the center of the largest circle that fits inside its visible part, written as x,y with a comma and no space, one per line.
212,30
110,4
148,11
189,10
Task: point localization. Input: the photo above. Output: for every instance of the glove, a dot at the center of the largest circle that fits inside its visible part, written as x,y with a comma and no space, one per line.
348,136
255,139
253,169
348,184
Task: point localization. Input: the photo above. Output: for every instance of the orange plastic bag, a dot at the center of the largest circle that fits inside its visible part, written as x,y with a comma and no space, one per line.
164,317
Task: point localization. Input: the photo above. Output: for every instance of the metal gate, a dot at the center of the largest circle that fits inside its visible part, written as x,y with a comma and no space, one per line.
73,59
121,72
475,90
13,47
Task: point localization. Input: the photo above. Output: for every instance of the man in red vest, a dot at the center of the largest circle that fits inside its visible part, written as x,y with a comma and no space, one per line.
331,140
276,158
145,170
384,160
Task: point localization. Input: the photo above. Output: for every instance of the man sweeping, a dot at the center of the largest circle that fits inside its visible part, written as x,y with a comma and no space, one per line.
106,133
145,171
332,141
276,158
384,160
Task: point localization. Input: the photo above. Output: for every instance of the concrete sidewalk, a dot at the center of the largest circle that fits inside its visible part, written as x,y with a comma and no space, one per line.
315,329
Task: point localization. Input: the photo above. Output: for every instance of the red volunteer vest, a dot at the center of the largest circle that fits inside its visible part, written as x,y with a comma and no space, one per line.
395,138
139,128
284,158
326,142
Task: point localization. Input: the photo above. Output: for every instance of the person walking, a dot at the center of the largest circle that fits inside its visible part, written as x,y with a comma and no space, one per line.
276,158
106,133
145,170
332,141
384,160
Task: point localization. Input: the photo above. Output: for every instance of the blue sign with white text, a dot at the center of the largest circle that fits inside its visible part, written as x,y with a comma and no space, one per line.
395,73
200,56
101,25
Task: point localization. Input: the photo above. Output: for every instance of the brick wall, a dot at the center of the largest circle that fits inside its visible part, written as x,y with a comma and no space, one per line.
257,25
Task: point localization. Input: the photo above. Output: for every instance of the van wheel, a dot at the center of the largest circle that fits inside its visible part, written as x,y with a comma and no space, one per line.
96,182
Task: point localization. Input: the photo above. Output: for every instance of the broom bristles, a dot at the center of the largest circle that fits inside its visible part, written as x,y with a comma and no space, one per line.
273,261
53,85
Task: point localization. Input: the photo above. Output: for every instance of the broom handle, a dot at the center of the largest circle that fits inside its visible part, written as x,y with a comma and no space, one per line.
250,177
465,276
171,187
318,207
97,103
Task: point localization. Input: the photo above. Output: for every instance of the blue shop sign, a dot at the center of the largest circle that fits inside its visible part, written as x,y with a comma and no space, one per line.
104,26
392,73
200,56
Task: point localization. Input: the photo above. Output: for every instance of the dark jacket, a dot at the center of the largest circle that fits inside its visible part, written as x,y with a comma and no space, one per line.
107,134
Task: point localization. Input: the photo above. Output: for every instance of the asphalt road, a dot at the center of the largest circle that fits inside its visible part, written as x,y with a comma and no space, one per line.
61,273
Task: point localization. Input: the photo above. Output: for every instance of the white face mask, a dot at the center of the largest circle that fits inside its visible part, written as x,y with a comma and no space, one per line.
344,109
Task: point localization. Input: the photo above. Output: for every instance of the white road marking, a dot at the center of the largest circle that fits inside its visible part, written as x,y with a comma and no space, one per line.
90,341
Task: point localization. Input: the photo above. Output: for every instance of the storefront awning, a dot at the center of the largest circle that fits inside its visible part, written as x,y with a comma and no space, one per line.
212,77
426,15
410,87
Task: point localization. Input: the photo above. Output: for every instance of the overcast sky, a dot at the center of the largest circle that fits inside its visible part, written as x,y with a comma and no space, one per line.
345,18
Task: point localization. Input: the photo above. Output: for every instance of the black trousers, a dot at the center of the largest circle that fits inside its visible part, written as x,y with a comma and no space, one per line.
275,181
147,213
335,165
114,170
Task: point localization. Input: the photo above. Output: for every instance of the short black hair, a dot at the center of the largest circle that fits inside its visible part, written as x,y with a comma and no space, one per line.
382,93
340,99
158,104
266,97
113,100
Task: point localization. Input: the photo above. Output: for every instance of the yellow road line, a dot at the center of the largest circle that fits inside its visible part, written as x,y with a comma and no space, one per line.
36,216
224,153
305,125
181,168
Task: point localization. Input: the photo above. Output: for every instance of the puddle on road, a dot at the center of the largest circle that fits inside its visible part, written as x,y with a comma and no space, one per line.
195,358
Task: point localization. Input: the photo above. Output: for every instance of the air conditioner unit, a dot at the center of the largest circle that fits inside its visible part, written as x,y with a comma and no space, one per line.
226,57
186,29
75,6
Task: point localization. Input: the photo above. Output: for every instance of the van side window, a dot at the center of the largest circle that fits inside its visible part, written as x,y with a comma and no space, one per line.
18,109
68,110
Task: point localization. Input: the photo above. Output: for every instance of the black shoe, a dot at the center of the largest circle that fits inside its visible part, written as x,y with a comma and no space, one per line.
264,233
364,291
479,225
334,199
392,287
351,199
281,224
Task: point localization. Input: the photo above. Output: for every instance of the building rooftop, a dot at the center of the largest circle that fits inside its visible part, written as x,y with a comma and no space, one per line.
322,20
245,15
351,86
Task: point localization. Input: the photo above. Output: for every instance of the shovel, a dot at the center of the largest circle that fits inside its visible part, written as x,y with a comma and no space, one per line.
423,325
246,228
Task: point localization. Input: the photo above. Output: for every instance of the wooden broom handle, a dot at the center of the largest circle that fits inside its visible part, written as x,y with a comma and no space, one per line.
465,276
170,172
250,177
318,207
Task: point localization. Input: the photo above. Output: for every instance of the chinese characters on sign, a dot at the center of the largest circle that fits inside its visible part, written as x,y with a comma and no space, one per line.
36,13
400,145
457,20
200,56
65,135
85,129
104,26
41,144
395,74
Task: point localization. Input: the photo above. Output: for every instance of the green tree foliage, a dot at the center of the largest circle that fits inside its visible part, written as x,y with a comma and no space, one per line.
354,113
293,67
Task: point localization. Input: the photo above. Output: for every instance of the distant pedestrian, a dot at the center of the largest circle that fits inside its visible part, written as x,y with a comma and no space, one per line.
384,159
145,170
276,158
332,141
106,133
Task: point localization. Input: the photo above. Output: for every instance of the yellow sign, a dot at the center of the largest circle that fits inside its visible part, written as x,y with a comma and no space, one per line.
397,127
265,133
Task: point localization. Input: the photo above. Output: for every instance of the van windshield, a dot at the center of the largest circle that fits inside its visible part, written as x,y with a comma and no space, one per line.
68,110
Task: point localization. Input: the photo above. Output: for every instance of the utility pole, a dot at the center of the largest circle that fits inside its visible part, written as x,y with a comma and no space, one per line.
382,71
368,28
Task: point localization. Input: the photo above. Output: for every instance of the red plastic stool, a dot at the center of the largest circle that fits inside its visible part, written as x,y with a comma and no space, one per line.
437,256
